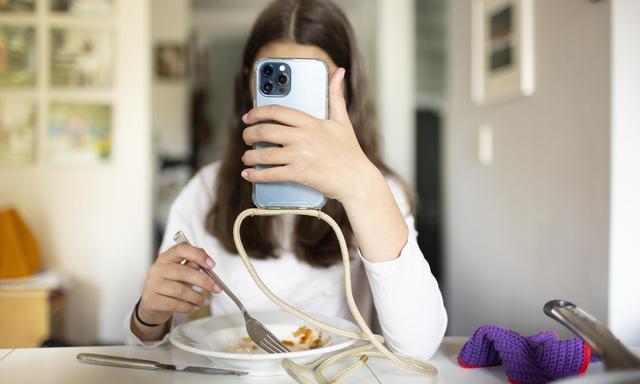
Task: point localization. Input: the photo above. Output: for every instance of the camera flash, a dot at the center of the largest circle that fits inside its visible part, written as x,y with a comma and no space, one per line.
282,68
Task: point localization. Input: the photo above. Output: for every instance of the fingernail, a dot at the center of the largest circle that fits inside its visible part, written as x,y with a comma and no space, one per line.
244,117
210,262
244,174
216,288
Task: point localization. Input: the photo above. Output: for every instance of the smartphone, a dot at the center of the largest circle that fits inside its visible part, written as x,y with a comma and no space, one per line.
301,84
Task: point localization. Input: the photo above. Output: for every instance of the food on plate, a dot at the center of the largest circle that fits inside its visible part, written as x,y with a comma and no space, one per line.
304,338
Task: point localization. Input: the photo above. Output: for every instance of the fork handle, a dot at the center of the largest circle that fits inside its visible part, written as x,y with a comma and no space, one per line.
180,238
226,289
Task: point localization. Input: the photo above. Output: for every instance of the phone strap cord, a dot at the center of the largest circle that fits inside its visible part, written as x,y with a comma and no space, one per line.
373,347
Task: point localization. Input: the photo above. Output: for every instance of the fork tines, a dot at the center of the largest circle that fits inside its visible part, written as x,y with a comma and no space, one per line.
264,338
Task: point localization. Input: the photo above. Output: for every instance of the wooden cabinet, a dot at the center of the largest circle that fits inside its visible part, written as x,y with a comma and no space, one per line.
29,316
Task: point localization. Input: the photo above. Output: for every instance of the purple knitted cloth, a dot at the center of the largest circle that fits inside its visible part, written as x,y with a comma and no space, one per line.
540,358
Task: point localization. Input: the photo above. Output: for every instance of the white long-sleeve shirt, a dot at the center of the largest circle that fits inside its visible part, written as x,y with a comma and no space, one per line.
407,298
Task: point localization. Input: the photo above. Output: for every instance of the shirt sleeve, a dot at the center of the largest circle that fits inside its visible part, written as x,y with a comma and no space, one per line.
131,339
406,294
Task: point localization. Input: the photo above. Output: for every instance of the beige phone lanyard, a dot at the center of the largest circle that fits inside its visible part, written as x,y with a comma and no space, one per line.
373,348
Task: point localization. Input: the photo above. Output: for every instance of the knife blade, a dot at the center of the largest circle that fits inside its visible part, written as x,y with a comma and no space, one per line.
128,362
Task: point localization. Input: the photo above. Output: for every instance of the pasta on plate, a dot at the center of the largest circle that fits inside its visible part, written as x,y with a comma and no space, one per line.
303,339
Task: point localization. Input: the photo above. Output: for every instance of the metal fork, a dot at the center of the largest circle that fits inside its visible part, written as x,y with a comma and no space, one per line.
257,332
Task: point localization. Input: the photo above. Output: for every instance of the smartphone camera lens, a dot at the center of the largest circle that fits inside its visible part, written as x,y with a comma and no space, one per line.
282,79
267,70
267,87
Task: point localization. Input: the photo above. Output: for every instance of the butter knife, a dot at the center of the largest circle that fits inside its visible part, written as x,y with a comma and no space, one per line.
128,362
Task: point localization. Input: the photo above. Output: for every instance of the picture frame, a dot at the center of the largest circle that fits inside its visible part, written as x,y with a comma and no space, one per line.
18,122
81,57
171,61
17,6
81,8
502,50
79,133
18,65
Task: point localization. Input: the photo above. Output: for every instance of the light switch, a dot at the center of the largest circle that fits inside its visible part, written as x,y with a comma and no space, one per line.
485,144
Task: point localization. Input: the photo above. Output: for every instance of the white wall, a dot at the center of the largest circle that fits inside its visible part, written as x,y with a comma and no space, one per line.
170,23
93,223
624,311
532,226
395,84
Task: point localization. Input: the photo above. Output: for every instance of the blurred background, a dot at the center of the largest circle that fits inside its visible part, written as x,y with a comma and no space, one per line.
516,121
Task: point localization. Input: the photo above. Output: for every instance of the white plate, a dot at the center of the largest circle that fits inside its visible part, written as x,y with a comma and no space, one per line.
213,336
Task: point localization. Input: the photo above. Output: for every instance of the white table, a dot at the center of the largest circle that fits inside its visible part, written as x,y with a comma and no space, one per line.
59,365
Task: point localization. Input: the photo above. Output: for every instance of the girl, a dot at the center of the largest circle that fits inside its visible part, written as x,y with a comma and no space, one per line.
298,258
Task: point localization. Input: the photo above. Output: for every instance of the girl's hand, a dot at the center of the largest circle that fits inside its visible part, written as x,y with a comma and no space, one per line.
168,287
322,154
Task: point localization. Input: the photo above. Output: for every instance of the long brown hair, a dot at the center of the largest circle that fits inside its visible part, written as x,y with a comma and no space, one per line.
309,22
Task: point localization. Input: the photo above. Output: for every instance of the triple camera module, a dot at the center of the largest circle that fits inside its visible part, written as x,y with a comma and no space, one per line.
275,79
